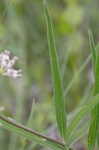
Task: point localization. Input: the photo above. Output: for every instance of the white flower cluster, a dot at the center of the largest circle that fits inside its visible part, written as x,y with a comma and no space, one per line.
7,61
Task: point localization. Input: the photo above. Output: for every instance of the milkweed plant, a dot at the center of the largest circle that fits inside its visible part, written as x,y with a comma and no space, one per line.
7,61
71,127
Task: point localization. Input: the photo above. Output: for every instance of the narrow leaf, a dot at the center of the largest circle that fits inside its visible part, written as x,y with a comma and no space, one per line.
95,113
57,82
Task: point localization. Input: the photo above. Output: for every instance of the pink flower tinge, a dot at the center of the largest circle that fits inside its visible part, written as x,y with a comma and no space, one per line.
7,62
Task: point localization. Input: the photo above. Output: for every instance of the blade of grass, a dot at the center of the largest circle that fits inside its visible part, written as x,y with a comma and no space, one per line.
30,134
58,89
95,113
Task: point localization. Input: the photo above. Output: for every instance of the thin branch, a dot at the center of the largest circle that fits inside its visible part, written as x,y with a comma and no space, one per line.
19,126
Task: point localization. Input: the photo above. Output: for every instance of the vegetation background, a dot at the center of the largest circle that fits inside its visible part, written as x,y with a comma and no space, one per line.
23,31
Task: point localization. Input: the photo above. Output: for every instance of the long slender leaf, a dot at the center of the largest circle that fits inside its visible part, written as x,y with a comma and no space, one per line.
95,113
30,134
58,90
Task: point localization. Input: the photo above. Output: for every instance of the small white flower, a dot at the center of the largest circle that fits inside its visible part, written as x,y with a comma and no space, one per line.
7,62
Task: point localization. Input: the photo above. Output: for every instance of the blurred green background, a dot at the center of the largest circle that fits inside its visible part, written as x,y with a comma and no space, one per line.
23,32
